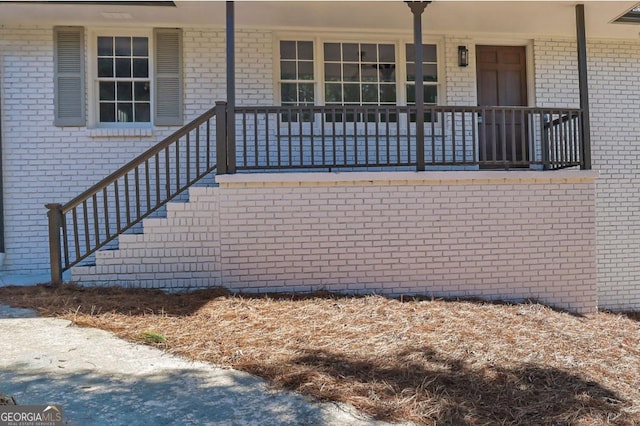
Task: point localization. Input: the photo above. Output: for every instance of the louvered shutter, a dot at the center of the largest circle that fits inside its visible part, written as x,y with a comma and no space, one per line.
168,76
69,86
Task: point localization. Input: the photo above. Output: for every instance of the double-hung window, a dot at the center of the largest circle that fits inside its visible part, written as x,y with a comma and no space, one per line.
135,78
297,77
124,83
429,74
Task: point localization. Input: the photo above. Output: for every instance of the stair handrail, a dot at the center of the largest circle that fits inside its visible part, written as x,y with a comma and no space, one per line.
59,235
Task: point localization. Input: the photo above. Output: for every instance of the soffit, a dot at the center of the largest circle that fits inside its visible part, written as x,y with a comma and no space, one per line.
556,18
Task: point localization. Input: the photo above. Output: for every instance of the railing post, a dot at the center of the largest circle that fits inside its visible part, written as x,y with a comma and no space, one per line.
55,252
231,89
583,83
221,137
417,7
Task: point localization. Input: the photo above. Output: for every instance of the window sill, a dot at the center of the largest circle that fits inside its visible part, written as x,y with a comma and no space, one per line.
127,132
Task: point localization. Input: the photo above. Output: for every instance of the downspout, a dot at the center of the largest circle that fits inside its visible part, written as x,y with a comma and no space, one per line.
583,84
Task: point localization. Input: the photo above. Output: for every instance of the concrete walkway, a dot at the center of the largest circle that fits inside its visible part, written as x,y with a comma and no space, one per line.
99,379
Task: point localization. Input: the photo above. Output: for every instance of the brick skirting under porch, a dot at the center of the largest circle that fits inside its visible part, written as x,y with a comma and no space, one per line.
488,234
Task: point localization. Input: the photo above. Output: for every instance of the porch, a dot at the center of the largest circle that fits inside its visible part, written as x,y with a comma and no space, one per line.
228,139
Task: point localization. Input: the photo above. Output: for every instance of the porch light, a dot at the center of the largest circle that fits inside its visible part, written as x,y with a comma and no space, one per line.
463,56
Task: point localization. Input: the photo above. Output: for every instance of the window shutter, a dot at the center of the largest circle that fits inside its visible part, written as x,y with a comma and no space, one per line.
69,89
168,76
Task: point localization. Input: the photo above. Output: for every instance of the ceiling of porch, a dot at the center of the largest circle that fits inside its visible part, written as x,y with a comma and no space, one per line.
526,18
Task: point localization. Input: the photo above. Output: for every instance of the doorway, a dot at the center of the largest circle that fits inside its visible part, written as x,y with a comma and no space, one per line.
502,81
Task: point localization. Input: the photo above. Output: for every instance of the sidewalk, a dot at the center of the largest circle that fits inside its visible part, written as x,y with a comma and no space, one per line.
99,379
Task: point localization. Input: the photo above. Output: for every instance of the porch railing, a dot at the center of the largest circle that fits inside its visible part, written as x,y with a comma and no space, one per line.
349,137
304,138
117,203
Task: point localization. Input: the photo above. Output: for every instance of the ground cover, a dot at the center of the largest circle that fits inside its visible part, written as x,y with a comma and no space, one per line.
425,361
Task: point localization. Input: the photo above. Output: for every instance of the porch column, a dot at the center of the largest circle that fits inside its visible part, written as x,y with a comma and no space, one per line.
583,84
417,7
231,90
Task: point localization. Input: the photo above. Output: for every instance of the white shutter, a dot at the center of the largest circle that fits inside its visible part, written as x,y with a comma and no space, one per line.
168,76
69,83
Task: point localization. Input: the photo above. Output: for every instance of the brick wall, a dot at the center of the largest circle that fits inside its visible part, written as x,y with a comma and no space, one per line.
494,235
44,163
614,67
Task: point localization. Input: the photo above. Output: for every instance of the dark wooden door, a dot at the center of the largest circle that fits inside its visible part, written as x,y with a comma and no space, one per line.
502,81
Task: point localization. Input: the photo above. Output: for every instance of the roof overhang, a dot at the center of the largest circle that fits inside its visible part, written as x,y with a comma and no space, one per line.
525,18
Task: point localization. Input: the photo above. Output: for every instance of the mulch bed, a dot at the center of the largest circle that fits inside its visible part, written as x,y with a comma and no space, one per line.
426,361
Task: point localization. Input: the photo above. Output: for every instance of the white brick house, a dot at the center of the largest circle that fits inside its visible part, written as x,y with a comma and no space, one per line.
567,237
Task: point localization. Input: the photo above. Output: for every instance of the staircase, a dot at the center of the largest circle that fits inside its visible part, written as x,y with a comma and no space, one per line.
179,252
91,223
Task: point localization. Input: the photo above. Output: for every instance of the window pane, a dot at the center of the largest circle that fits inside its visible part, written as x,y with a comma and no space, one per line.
141,91
306,93
105,46
430,72
411,72
305,71
388,93
305,50
288,92
125,113
410,53
351,72
430,53
107,113
141,68
369,72
430,94
123,67
123,46
288,70
332,72
387,53
352,93
287,50
140,46
369,53
411,94
350,52
387,72
107,91
332,52
125,91
105,67
333,93
143,113
370,93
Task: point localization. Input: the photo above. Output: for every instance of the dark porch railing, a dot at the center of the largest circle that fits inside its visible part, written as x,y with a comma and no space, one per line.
305,138
350,137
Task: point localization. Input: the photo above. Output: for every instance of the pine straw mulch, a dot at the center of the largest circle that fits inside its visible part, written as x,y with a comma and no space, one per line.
425,361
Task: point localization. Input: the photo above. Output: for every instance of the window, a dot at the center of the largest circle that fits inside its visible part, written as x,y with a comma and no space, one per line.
429,77
136,79
297,85
359,74
429,74
327,72
124,83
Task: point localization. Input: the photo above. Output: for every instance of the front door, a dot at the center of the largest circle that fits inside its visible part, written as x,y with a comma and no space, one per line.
502,81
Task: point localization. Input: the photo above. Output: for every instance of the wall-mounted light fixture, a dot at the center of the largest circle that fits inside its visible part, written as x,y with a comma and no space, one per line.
463,56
